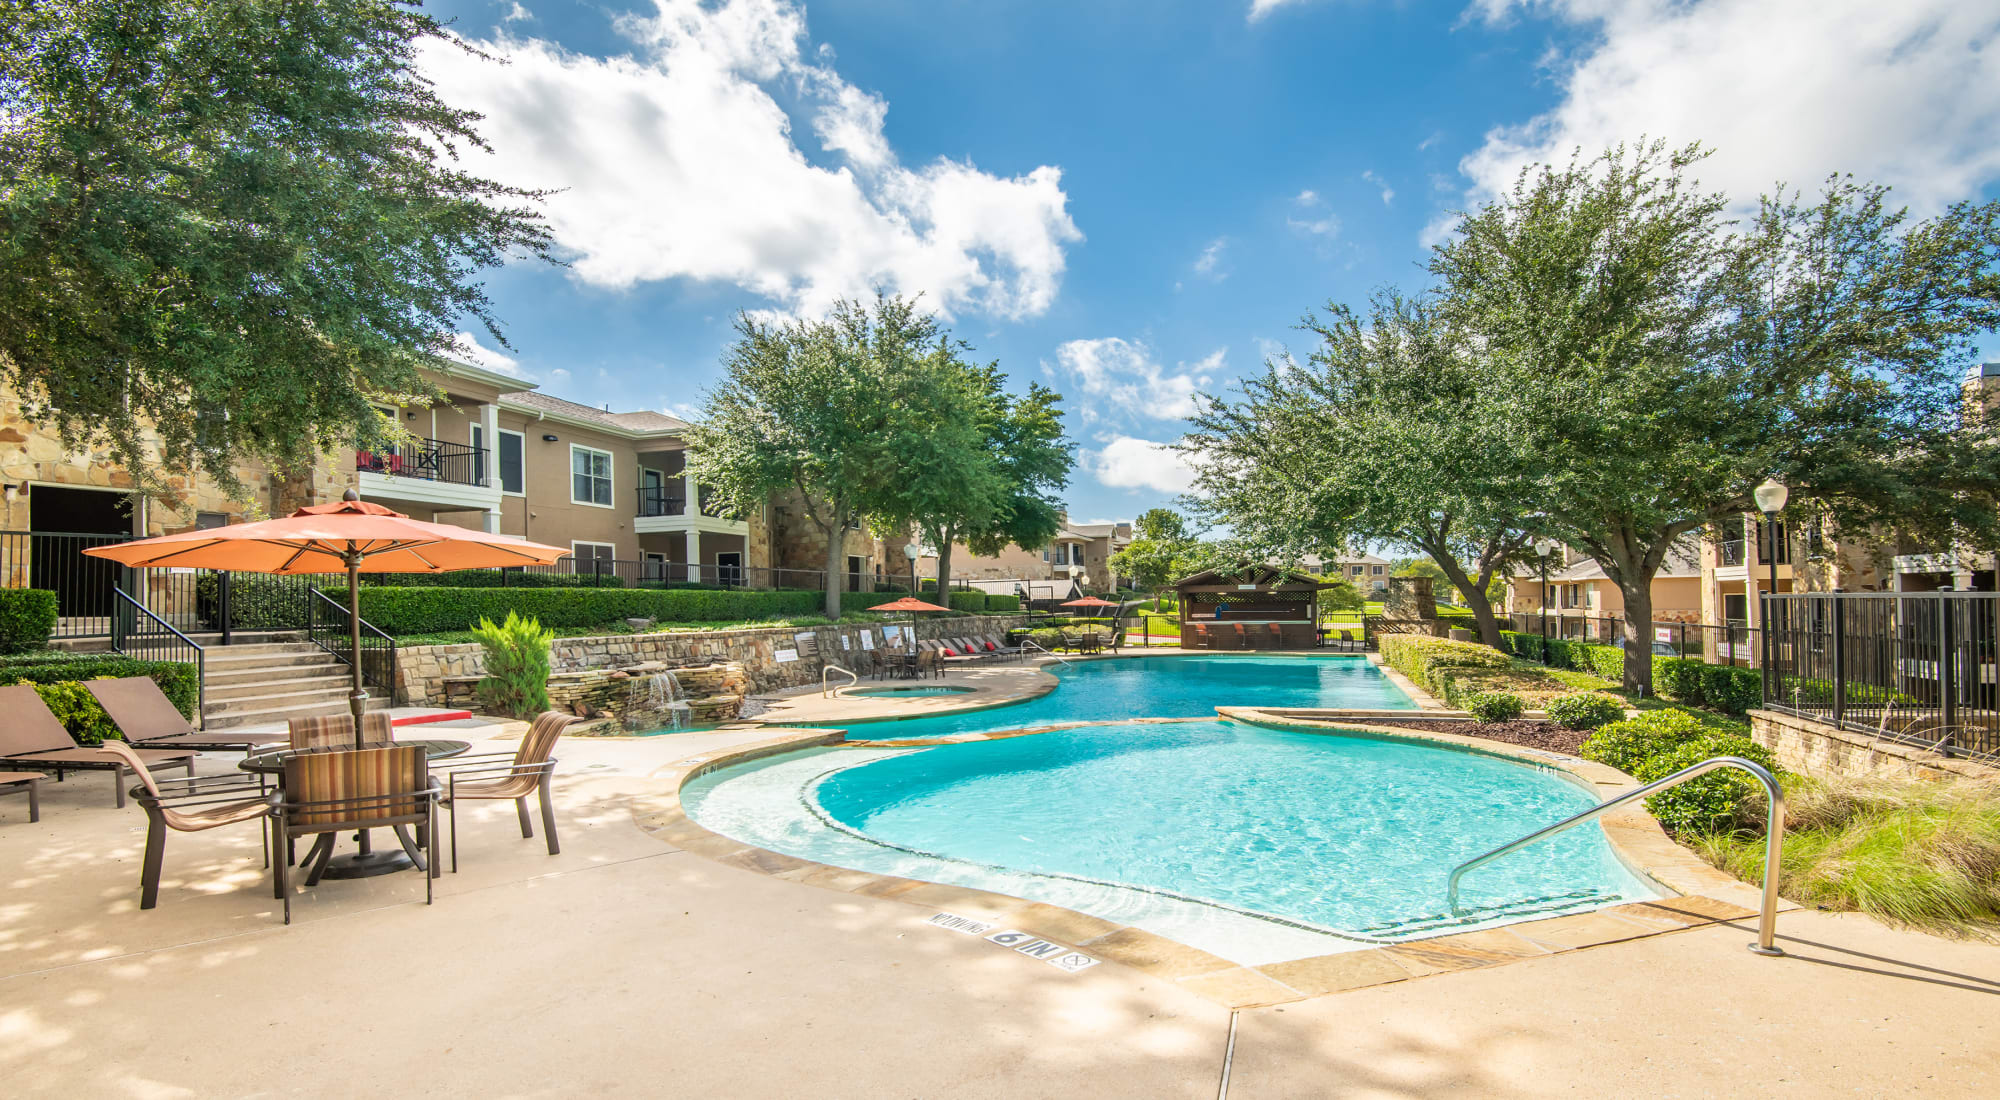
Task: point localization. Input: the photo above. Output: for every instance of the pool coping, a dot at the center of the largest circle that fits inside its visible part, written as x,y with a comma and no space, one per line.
1705,894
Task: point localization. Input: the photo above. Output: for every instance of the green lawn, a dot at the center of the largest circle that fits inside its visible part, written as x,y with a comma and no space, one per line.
1584,681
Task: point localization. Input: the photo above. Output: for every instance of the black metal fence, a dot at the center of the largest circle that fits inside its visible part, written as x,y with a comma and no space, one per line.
1715,644
428,460
1919,668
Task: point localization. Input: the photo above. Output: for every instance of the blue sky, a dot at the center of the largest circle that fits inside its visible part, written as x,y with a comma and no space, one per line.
1129,199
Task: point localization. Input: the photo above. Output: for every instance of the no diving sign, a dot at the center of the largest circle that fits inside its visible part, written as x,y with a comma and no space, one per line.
1035,947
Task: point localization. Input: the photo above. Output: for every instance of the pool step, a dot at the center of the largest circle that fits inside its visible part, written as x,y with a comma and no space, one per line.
1431,923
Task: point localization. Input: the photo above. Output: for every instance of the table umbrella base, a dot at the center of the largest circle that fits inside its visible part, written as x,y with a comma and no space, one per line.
367,865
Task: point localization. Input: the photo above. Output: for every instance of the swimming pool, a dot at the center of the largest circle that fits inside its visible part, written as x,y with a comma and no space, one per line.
1166,687
1252,843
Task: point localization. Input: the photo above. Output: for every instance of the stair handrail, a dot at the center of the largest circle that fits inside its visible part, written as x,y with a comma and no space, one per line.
1774,841
829,669
119,636
367,628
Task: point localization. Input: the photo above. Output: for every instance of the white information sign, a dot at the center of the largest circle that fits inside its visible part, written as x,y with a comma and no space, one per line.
784,656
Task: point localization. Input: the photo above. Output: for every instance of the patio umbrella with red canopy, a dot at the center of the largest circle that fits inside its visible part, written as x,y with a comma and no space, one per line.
351,536
1088,601
910,604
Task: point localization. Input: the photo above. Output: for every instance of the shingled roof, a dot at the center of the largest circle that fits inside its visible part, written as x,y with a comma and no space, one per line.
643,422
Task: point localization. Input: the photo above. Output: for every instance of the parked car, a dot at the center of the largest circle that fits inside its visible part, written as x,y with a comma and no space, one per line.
1660,649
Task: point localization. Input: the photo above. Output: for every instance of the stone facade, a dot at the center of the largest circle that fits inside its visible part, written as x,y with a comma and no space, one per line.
1409,598
634,699
423,671
1825,752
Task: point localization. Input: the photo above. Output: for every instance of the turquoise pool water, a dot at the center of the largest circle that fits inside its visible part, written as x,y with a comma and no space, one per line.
1351,833
1167,687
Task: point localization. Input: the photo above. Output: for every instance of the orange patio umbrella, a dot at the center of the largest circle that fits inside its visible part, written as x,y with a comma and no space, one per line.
1088,601
912,605
351,536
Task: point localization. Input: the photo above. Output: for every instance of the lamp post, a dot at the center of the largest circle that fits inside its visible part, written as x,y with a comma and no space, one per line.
1770,497
1543,545
910,551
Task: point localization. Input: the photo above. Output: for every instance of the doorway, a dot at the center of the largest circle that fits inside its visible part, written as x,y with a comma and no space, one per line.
729,570
854,574
63,522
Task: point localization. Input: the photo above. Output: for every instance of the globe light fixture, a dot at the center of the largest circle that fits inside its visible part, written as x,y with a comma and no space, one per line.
1771,496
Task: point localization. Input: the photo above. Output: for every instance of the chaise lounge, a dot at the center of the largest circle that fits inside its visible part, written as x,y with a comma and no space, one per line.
32,737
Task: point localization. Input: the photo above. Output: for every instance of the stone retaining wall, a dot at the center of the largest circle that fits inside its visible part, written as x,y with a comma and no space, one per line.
422,670
1825,752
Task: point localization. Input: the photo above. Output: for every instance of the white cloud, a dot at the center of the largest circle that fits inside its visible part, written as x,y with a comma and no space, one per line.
1311,220
1209,263
467,349
1123,374
678,160
1261,8
1905,94
1388,193
1130,463
517,14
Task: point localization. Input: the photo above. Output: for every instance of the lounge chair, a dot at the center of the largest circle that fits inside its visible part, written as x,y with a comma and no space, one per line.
196,806
515,776
1000,648
28,783
340,792
336,731
149,720
32,738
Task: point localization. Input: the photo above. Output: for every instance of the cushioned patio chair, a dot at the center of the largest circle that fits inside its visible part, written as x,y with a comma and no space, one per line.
149,720
341,792
28,783
189,806
31,737
336,731
493,776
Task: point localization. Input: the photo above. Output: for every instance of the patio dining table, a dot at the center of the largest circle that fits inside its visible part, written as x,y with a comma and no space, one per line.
366,862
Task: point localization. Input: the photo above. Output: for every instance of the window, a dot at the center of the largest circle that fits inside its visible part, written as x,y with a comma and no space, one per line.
590,476
1375,569
512,475
209,521
1357,570
587,553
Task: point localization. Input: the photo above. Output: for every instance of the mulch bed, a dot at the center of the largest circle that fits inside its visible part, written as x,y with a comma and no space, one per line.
1528,734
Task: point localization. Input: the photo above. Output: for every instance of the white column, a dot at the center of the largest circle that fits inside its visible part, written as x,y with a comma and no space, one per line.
489,432
493,521
694,555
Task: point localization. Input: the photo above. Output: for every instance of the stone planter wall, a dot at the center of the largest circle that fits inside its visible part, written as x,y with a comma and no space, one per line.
621,700
423,670
1825,752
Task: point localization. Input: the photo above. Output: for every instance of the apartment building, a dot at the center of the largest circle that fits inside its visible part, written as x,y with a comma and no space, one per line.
1079,551
1579,589
1365,571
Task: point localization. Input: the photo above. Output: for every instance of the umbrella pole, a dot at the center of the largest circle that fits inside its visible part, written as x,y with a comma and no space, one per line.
357,700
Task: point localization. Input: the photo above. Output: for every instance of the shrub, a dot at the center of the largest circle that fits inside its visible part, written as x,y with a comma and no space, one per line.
1729,689
425,610
1494,706
1707,802
1627,744
973,601
1585,710
1525,646
77,709
257,601
496,578
1048,639
179,682
1678,678
1437,663
1001,604
517,666
27,618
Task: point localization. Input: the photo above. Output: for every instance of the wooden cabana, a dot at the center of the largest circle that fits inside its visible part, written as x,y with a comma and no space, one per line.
1250,607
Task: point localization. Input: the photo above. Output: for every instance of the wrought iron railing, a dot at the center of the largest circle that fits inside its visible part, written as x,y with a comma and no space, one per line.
137,632
1921,668
427,460
328,628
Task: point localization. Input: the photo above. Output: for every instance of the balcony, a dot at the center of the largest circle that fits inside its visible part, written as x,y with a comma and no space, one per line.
428,471
665,510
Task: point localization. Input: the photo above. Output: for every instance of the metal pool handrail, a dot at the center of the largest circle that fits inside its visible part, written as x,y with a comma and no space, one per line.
1774,841
829,669
1030,643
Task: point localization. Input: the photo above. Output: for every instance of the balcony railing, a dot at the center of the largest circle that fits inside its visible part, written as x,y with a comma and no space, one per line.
664,502
428,460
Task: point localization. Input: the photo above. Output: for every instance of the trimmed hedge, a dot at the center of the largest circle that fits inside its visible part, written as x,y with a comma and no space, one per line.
257,601
27,618
1494,706
1001,604
1726,688
437,610
1659,743
58,680
973,601
1429,661
491,578
1585,710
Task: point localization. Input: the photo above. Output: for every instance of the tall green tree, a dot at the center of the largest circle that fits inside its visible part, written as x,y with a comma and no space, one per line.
228,225
840,410
1162,525
1387,434
991,469
1657,365
1157,552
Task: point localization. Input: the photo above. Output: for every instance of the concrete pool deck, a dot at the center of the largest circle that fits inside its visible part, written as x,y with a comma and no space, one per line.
628,966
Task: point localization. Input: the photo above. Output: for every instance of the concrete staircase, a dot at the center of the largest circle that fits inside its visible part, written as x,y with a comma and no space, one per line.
273,681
